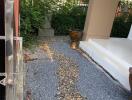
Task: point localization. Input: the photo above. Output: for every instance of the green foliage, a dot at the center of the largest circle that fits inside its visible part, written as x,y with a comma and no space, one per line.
79,14
31,16
69,17
86,1
62,23
126,3
33,13
29,40
121,26
30,20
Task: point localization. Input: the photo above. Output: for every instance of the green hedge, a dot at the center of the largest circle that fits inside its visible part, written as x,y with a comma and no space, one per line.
121,26
33,14
74,18
64,20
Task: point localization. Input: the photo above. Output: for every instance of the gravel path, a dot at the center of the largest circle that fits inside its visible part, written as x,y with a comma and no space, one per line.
47,77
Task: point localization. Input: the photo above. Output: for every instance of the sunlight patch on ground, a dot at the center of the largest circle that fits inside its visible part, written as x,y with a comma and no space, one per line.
46,49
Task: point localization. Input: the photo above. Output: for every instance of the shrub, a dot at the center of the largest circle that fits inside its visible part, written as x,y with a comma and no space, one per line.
62,23
65,19
31,16
121,26
79,14
33,13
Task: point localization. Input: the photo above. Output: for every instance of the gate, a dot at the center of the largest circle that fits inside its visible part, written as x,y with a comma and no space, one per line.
11,70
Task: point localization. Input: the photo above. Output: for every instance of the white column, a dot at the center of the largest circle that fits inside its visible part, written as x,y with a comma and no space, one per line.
100,17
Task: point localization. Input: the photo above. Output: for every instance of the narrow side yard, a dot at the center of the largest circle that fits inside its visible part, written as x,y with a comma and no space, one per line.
56,72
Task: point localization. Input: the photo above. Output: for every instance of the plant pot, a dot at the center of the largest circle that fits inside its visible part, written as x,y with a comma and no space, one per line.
75,36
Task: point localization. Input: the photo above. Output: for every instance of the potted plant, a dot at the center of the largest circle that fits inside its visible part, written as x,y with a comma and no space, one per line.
76,36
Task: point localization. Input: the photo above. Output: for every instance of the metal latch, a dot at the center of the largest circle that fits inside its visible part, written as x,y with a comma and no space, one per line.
5,81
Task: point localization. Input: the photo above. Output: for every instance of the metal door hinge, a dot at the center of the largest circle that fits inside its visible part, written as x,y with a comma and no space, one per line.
5,81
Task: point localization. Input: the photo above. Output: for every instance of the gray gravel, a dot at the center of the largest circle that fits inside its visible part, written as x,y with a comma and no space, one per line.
41,76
